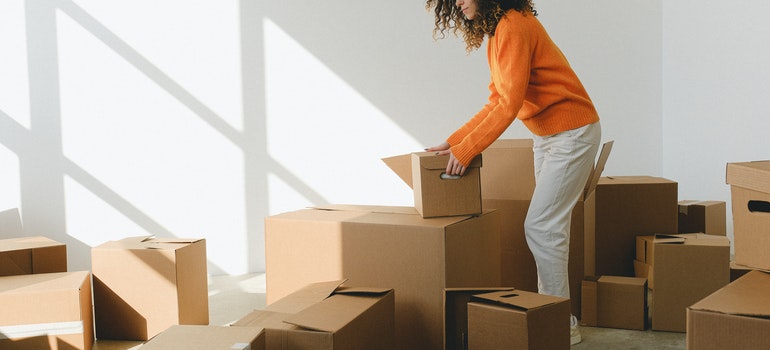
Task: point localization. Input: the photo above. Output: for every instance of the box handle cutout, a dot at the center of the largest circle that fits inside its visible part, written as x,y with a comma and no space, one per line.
509,295
445,176
759,206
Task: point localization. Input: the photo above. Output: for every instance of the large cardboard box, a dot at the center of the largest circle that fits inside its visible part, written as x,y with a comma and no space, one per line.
385,246
614,302
196,337
28,255
736,316
508,181
516,319
328,316
50,311
750,192
626,207
684,269
707,217
143,285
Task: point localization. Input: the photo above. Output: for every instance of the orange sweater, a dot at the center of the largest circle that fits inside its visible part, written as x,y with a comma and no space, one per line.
531,81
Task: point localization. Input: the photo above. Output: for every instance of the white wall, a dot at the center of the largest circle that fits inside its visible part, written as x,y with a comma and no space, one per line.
200,118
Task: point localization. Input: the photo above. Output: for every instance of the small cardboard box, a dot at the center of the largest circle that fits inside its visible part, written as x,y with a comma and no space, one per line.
750,193
684,269
143,285
385,246
196,337
626,207
50,311
734,317
456,315
707,217
434,194
615,302
516,319
328,316
29,255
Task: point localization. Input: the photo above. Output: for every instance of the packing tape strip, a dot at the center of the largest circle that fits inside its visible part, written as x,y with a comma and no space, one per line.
41,329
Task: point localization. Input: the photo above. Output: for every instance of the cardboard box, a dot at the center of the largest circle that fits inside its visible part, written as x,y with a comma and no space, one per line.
615,302
709,217
750,193
737,271
685,268
391,247
29,255
195,337
10,223
50,311
513,159
516,319
326,316
143,285
734,317
626,207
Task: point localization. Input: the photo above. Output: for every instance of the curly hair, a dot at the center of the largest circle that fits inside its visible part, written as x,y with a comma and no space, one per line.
449,18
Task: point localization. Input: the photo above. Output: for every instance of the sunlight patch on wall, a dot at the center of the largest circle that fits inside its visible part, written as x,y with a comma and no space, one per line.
10,197
142,148
326,133
14,82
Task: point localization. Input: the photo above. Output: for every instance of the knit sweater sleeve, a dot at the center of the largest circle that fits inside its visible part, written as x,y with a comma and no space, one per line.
509,52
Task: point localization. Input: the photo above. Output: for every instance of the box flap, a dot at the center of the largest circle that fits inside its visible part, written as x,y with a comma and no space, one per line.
596,172
335,312
745,296
517,299
361,290
27,243
633,281
369,208
668,239
752,175
304,297
402,166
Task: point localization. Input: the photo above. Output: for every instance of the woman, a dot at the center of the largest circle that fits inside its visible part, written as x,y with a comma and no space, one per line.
532,81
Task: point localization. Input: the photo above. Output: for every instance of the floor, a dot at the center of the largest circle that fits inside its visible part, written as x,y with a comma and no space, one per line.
231,297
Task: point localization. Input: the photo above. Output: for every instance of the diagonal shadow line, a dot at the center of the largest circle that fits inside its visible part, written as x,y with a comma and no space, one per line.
155,74
115,200
13,135
296,183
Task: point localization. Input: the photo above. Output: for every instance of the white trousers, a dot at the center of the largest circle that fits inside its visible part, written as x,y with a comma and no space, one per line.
563,163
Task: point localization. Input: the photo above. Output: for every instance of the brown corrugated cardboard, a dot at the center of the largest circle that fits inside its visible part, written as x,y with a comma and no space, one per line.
50,311
685,268
737,270
505,160
10,223
28,255
750,193
516,319
326,316
143,285
436,195
456,315
615,302
391,247
736,316
707,217
196,337
626,207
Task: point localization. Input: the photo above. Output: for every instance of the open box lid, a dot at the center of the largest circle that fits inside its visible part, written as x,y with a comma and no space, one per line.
517,299
402,166
336,311
305,297
752,175
746,296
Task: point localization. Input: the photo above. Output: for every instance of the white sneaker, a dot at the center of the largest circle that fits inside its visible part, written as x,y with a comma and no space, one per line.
574,331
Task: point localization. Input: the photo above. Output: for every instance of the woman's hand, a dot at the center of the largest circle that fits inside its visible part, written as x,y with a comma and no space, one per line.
453,167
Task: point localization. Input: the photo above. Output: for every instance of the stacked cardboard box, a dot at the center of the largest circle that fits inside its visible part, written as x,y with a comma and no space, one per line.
388,247
750,194
31,255
615,302
707,217
327,316
736,316
681,269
